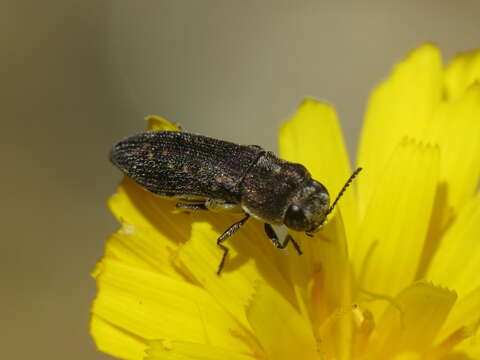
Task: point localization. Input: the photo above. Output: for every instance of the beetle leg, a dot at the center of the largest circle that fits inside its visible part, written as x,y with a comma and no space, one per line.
274,239
294,243
217,205
191,206
272,235
229,232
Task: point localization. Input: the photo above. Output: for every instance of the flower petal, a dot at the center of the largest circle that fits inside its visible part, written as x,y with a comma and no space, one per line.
462,72
150,306
456,263
471,347
388,249
460,356
456,129
321,279
144,248
472,350
414,321
407,355
401,106
322,272
181,350
313,137
115,341
463,322
245,264
282,331
158,123
136,206
152,228
331,252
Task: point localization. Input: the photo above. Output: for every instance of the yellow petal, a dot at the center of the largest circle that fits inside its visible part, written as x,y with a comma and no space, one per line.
456,129
115,341
413,323
136,206
181,350
152,228
401,106
463,322
407,355
245,264
456,263
151,306
331,253
132,205
158,123
321,279
387,252
144,248
281,330
463,71
470,347
322,272
473,352
313,138
460,356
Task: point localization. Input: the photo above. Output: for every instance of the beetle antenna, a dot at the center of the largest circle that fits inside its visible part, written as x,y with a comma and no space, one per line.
347,184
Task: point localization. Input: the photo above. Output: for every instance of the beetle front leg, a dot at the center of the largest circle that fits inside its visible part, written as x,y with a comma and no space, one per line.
274,239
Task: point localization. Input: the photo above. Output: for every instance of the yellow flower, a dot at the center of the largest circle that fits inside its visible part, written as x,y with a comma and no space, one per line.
395,274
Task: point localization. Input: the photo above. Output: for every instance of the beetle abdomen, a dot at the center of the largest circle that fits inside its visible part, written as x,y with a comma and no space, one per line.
172,163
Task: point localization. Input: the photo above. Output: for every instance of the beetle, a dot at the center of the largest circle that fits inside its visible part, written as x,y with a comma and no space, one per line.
210,174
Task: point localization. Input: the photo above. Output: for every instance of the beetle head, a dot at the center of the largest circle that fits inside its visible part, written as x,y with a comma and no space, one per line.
308,209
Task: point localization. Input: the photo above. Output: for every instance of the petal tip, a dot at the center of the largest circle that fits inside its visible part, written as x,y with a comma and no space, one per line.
158,123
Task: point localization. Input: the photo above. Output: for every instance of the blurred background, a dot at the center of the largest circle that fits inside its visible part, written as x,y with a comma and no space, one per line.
78,75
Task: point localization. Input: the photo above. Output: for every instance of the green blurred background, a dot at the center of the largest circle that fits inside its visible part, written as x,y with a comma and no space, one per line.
78,75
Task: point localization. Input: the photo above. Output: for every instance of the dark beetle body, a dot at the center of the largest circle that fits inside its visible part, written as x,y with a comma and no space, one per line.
188,166
211,174
172,163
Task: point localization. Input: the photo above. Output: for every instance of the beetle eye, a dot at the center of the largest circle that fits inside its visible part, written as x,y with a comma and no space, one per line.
295,218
